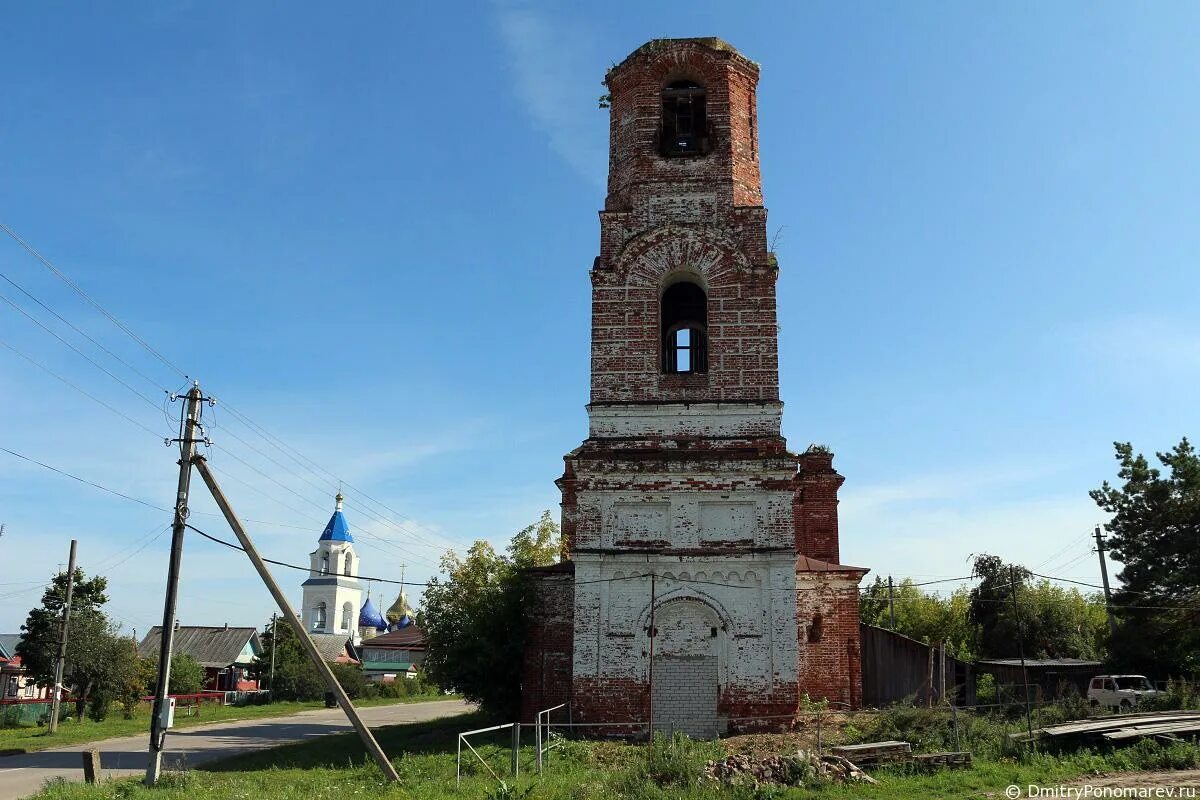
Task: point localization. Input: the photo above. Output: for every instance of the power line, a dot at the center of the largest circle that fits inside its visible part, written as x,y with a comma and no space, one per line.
366,511
244,419
94,485
83,392
233,546
78,330
396,547
315,469
82,354
87,297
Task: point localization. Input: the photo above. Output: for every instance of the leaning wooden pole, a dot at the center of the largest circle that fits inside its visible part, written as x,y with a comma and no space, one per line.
292,619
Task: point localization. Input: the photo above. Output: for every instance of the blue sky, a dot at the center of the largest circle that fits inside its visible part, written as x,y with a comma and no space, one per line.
369,230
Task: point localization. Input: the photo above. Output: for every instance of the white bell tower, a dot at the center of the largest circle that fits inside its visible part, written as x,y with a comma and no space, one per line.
332,594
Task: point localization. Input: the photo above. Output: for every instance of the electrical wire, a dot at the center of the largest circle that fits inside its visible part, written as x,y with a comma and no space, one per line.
88,298
78,330
79,352
94,485
233,546
61,275
83,392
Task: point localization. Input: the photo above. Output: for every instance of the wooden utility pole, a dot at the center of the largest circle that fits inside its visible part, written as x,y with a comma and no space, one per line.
1112,623
189,435
60,660
292,619
891,603
1021,653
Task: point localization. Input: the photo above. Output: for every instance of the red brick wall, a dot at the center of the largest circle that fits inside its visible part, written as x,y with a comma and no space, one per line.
815,506
830,669
635,85
549,641
700,215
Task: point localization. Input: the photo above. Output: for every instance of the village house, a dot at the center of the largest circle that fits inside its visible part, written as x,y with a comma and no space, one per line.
392,655
15,683
227,654
700,587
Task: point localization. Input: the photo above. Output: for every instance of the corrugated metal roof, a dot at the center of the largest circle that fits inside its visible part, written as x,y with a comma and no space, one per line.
212,647
409,636
331,646
1040,662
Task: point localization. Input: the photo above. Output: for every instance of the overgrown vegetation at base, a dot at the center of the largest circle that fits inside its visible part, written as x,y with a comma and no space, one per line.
671,769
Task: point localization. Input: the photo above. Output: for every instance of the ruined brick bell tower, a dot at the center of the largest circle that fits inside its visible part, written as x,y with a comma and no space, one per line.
691,532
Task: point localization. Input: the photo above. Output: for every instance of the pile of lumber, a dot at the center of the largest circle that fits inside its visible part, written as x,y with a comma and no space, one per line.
879,753
875,753
1121,728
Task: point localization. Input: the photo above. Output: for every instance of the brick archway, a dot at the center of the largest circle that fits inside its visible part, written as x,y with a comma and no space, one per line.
685,689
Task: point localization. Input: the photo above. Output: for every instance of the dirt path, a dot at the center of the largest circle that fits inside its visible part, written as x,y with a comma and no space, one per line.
1166,779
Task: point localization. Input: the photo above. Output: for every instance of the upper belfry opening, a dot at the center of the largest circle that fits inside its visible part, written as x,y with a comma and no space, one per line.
683,116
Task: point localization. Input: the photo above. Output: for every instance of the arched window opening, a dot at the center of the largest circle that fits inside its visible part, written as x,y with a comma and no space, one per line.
324,563
684,120
347,616
318,623
815,630
349,559
684,329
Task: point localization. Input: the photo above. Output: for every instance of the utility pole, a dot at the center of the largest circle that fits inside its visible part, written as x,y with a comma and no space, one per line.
273,642
1112,623
189,434
285,608
1021,653
652,632
891,603
55,702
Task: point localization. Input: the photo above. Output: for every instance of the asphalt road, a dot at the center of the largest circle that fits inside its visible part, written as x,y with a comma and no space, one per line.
23,775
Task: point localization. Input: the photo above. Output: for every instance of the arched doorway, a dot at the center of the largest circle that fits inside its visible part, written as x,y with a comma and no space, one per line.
686,678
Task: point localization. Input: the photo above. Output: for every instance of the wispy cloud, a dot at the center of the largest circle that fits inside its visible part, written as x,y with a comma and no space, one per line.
556,78
931,525
1141,343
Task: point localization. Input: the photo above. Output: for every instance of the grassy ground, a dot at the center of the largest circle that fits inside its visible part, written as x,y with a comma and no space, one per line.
424,754
31,738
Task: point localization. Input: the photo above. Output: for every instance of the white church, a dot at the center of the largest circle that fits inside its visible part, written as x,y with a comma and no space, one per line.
333,610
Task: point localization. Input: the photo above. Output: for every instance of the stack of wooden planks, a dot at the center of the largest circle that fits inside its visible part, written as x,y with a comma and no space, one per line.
1121,727
875,754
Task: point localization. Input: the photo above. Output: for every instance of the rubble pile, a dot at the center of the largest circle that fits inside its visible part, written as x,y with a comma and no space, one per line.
795,769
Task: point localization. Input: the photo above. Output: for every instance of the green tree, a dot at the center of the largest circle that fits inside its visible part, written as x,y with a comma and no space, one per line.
98,661
187,675
296,677
1154,533
474,621
924,616
1045,621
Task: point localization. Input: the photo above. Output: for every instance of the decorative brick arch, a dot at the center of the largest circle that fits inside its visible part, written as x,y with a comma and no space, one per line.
649,259
676,600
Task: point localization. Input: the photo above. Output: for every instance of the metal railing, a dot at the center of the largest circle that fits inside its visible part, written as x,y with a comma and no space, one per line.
543,752
516,747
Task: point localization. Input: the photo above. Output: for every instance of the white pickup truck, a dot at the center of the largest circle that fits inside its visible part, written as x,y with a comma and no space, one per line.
1120,691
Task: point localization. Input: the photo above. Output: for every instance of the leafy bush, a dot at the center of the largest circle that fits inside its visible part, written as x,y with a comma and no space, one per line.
1180,695
939,728
98,707
677,760
351,677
